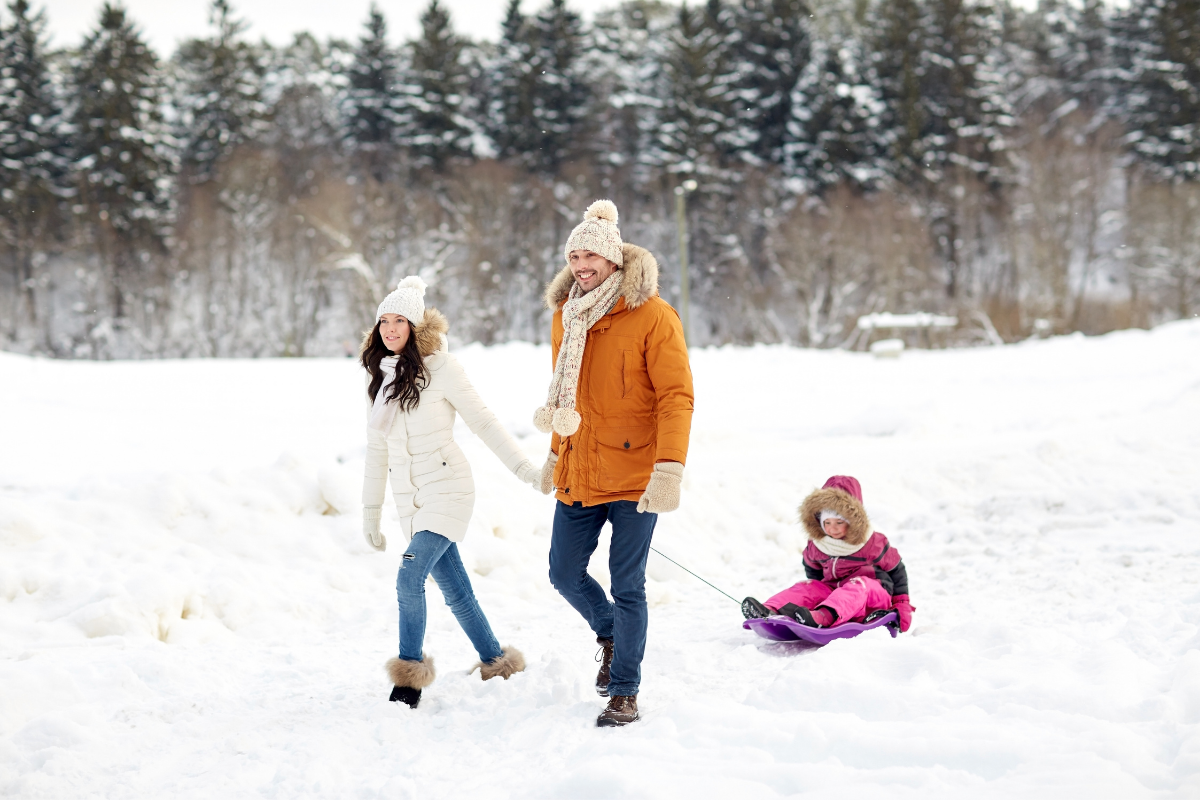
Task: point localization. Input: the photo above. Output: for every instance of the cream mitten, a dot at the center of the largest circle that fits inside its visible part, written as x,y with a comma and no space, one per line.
662,493
546,482
374,537
528,473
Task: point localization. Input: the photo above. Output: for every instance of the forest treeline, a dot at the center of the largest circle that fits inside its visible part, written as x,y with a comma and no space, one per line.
1030,171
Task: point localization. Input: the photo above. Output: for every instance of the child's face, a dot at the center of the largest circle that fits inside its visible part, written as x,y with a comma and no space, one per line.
837,528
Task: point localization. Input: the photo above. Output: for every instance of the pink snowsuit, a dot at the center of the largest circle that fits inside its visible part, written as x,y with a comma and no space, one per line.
850,585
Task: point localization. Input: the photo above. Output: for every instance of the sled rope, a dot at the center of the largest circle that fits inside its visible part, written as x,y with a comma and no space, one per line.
694,575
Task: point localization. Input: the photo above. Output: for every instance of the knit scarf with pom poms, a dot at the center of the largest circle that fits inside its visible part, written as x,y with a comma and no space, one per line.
579,314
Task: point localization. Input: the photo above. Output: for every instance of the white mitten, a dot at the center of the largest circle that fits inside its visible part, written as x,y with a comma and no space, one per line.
528,473
546,479
371,517
662,493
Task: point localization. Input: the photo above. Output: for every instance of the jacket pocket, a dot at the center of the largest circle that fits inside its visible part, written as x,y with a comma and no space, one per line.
627,373
430,468
626,457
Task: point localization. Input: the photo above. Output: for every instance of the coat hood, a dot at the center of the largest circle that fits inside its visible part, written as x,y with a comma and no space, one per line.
843,494
431,333
639,284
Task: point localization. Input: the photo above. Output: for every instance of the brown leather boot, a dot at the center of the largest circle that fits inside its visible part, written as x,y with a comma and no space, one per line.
604,656
621,710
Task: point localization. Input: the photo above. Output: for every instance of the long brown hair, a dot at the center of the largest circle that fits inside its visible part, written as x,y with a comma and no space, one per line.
411,375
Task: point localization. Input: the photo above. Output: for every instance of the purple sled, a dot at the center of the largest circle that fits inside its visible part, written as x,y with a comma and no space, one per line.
786,629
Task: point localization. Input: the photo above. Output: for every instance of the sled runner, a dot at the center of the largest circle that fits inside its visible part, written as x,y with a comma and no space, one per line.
785,629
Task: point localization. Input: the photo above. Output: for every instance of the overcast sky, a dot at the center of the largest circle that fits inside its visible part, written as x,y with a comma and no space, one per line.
166,22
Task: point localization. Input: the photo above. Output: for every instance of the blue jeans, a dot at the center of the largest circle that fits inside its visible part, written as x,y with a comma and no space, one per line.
624,619
427,554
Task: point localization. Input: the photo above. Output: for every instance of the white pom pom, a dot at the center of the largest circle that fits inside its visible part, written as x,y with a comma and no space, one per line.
413,282
566,421
602,209
542,419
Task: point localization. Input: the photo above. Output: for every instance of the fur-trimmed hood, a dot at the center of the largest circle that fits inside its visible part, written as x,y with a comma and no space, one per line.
639,284
431,333
844,495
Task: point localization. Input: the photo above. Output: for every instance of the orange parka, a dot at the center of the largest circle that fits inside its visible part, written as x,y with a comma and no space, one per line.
635,390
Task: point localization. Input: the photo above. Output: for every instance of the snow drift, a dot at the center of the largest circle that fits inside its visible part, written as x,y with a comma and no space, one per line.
187,608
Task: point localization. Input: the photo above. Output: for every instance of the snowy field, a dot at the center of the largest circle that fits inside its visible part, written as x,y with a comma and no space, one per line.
188,610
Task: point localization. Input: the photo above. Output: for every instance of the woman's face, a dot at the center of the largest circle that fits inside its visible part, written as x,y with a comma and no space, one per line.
394,330
837,528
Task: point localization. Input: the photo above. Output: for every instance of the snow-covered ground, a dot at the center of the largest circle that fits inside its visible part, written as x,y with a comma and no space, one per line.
188,610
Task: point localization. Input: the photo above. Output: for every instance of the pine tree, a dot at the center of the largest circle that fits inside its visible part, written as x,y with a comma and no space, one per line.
698,126
931,57
127,159
33,162
562,96
371,106
220,103
538,96
774,49
435,101
509,120
1159,49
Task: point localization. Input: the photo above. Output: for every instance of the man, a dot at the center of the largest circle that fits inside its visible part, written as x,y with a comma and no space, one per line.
620,408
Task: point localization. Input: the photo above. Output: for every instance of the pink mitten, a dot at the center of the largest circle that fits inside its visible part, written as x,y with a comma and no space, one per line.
904,609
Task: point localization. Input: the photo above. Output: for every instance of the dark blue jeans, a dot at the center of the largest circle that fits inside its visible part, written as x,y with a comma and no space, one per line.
624,619
427,554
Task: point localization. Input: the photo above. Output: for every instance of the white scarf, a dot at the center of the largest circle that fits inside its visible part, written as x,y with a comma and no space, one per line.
579,314
383,413
838,547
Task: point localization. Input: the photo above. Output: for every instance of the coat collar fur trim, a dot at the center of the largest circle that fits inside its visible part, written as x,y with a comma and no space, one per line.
843,503
639,284
431,333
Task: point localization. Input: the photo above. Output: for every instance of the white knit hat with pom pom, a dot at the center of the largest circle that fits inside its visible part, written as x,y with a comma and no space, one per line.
598,232
408,301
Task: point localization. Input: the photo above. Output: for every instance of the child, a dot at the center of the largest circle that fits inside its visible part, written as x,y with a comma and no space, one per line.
851,571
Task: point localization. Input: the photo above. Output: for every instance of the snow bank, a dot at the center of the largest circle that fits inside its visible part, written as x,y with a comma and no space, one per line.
187,608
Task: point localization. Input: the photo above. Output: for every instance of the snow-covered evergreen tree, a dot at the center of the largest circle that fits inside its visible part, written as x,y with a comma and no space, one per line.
1158,44
219,102
371,105
774,48
435,101
126,153
698,127
33,162
508,119
301,91
538,97
835,135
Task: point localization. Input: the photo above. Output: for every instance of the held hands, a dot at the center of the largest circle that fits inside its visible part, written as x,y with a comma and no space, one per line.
528,473
371,517
546,479
662,493
905,610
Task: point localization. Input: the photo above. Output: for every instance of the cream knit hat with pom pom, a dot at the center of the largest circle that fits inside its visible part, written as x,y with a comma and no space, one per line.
408,301
598,232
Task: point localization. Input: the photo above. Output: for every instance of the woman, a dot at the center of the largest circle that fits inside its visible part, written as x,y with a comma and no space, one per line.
415,388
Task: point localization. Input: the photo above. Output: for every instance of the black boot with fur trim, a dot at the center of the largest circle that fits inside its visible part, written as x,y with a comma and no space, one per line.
510,662
604,656
621,710
409,678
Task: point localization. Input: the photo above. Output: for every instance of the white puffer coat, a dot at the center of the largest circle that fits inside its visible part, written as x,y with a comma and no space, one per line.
430,476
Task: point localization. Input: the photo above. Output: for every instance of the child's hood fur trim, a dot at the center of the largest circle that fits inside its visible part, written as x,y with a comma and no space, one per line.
844,504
